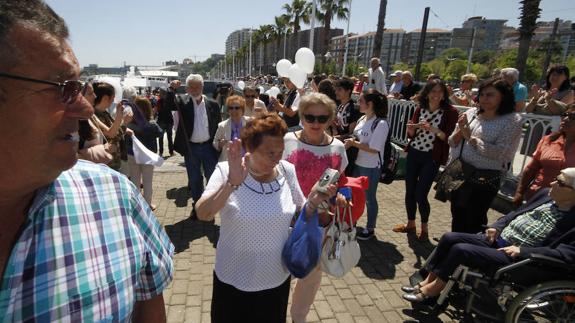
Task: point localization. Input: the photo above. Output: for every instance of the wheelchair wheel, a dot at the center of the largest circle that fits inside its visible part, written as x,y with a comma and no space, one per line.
547,302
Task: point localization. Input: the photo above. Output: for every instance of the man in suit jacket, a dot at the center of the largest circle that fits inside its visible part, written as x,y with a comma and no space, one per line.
546,225
199,118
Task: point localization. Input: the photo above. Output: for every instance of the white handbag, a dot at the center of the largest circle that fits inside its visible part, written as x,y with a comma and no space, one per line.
340,250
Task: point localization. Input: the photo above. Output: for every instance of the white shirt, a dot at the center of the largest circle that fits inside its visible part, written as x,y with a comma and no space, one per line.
249,112
201,131
396,87
377,80
375,140
254,228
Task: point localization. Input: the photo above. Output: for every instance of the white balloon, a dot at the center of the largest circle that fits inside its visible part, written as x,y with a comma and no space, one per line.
297,76
282,67
305,58
274,91
241,85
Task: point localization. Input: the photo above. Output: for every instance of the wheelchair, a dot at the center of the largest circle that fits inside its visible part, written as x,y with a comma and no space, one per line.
537,289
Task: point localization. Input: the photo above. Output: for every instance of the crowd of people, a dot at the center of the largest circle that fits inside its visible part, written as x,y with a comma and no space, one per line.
80,240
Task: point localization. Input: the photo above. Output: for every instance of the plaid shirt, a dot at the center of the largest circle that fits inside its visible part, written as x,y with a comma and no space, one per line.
90,249
532,228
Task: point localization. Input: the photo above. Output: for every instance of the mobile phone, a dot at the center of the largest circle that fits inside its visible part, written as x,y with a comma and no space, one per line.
329,176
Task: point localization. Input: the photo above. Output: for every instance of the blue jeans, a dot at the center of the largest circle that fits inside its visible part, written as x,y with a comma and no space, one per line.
420,173
370,194
202,156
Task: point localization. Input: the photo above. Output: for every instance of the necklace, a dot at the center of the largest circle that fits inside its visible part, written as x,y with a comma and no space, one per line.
304,138
261,177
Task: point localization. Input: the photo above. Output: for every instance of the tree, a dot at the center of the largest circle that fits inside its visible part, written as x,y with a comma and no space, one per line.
262,37
436,66
483,56
329,9
455,69
380,28
451,54
401,66
298,11
528,22
281,29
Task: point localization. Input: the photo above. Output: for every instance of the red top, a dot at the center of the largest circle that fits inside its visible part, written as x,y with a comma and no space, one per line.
548,160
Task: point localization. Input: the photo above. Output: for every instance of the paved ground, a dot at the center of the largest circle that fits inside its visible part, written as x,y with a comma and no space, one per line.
369,293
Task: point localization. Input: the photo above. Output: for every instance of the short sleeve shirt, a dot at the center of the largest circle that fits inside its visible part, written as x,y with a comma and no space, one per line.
90,248
347,114
374,136
520,92
311,161
254,228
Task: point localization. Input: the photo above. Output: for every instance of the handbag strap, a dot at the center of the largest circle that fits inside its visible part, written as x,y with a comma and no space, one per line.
463,139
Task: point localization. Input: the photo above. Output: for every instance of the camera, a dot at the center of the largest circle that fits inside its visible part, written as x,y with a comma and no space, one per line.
329,176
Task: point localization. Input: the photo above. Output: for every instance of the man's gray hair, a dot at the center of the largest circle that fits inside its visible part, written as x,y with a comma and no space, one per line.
129,93
510,71
407,73
194,78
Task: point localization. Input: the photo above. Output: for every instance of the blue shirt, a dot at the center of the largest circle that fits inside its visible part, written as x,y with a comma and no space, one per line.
520,92
90,248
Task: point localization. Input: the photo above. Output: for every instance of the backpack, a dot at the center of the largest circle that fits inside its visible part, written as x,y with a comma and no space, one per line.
388,164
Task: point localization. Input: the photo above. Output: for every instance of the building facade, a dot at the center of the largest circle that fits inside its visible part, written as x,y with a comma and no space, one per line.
436,41
361,48
236,40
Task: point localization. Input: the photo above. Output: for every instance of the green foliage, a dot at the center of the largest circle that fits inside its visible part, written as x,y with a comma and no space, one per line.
455,70
483,56
482,71
570,62
401,66
452,53
436,66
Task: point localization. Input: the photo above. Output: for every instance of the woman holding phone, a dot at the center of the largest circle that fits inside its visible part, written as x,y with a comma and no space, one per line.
429,129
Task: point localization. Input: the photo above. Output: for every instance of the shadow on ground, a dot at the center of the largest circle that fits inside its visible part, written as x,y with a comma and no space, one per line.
379,258
180,195
421,249
188,230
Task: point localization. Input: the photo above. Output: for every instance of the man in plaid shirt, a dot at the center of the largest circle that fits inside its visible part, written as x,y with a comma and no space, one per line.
77,240
545,225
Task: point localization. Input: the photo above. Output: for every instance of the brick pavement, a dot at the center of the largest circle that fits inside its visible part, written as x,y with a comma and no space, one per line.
369,293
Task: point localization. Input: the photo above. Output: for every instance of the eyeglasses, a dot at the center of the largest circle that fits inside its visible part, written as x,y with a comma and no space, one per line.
234,107
568,115
250,96
562,183
310,118
69,90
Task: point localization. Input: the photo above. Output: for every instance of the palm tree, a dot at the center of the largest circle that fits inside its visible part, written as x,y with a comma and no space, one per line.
262,37
529,13
281,29
298,11
328,10
380,27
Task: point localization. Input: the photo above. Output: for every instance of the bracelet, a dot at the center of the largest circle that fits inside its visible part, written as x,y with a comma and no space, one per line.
234,187
313,206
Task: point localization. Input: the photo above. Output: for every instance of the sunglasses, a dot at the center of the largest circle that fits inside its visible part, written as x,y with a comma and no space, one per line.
69,90
569,115
310,118
234,107
562,183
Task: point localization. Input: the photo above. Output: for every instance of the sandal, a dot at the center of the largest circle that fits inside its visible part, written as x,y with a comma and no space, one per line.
411,289
402,228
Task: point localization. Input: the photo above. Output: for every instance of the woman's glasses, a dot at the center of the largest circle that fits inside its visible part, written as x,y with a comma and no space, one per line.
310,118
234,107
69,90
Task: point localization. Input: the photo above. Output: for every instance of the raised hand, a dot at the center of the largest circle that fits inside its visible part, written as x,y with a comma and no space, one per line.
237,164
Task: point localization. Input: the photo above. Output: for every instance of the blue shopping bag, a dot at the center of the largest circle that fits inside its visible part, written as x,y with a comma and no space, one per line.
302,249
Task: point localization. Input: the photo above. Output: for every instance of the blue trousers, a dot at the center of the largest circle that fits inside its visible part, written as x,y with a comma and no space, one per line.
469,249
420,173
370,195
200,157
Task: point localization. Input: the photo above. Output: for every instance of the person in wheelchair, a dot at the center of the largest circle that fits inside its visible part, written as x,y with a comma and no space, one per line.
545,225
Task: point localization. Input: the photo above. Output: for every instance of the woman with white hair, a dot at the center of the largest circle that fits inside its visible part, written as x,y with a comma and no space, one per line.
511,76
464,96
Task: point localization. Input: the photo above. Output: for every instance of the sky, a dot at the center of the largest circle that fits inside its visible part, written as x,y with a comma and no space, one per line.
144,32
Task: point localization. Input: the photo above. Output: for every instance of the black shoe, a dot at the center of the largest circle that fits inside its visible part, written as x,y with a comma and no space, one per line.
410,289
420,298
365,234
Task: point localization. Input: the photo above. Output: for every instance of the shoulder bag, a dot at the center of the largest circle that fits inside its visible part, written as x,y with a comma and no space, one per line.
340,250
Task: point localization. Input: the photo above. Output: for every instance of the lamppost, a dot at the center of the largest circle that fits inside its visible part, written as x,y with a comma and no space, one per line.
234,63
